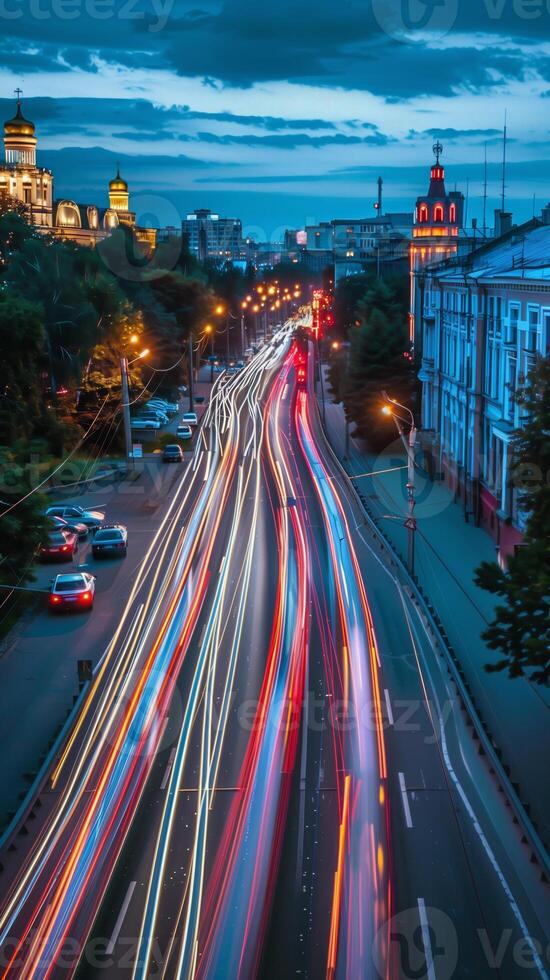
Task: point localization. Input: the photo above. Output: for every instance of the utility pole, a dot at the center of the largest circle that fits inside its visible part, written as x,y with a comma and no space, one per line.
504,136
485,194
190,371
243,336
227,326
126,410
409,444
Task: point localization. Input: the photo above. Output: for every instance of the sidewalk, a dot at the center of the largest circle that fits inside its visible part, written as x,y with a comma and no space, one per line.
447,552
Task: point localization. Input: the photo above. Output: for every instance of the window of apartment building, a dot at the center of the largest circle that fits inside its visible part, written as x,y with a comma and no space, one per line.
462,360
513,318
545,340
532,328
510,388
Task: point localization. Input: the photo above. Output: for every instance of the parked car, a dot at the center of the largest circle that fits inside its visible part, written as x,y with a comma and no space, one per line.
144,424
110,539
168,407
60,524
154,413
184,431
72,512
172,454
59,546
190,418
74,591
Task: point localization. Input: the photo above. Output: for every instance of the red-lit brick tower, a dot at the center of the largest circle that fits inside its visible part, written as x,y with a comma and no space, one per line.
437,220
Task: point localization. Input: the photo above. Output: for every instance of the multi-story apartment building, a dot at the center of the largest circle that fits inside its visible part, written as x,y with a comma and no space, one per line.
481,320
211,236
354,244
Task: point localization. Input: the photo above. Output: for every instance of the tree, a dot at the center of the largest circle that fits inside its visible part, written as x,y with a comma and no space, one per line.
377,357
521,627
22,531
21,349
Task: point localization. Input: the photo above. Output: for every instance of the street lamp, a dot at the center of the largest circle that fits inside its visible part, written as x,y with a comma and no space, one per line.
409,443
209,332
125,402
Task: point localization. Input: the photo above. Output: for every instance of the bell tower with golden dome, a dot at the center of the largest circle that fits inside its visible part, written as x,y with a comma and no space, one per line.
20,178
119,196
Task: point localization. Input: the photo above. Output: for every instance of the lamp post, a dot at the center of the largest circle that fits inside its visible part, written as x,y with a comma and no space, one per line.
345,346
209,332
244,306
190,371
409,443
125,399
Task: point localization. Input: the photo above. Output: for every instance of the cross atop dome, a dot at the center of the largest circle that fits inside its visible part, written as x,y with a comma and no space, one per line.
438,150
18,92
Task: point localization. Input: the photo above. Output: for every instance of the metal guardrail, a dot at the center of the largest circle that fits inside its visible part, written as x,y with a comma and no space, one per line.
482,734
29,801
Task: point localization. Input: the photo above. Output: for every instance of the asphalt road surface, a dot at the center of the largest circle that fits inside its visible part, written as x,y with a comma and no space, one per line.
271,775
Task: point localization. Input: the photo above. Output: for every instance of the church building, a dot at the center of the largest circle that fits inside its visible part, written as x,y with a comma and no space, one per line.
33,187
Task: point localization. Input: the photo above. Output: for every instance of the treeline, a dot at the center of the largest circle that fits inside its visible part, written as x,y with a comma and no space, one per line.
67,314
371,316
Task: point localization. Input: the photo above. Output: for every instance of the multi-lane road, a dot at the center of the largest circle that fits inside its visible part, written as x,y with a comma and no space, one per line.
270,775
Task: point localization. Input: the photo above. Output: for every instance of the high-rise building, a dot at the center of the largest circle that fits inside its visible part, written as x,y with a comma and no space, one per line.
210,236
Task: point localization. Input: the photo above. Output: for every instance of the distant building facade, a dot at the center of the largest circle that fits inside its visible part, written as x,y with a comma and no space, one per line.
482,319
352,245
33,187
210,236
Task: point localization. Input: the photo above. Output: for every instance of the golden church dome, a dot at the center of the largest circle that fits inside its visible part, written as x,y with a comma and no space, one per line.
118,183
18,126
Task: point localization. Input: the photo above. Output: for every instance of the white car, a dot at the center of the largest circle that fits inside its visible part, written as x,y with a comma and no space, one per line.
74,591
183,431
189,418
154,413
73,512
159,403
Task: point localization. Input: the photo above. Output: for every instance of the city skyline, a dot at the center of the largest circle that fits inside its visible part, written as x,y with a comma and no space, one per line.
281,116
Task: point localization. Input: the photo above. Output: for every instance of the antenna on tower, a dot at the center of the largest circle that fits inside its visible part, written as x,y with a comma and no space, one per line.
485,194
503,191
465,221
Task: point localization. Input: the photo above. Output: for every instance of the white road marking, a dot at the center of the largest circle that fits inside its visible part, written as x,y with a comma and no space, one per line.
169,765
121,916
425,929
404,797
388,705
222,563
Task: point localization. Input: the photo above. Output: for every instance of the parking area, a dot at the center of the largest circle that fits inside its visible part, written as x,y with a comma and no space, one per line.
38,665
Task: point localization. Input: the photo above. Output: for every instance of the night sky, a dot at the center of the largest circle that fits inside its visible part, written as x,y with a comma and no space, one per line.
286,113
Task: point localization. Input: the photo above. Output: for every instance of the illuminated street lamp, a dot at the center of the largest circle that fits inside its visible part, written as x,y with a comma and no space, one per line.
125,399
409,443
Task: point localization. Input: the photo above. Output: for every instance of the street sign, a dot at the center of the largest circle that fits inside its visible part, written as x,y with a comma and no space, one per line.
410,524
137,450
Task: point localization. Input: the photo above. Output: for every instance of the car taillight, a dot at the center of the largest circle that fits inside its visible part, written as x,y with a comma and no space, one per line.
86,596
55,598
65,547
